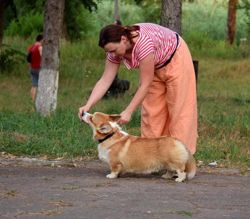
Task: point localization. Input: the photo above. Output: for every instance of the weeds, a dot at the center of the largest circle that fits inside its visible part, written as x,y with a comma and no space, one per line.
223,105
10,58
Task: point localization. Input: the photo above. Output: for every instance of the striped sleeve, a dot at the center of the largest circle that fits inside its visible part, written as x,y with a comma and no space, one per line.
113,58
145,47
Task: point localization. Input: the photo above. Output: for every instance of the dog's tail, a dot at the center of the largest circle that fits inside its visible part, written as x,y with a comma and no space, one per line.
190,167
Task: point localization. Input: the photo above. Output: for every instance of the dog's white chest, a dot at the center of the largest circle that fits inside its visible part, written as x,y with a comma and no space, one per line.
103,153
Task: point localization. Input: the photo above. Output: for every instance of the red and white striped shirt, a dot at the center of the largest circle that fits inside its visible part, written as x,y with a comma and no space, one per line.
153,38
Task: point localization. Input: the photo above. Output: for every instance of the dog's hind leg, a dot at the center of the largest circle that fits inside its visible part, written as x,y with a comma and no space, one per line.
115,170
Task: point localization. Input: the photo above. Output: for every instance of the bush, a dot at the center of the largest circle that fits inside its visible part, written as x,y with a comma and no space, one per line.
10,57
26,26
77,26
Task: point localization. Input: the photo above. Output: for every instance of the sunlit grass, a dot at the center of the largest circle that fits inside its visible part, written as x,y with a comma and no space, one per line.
223,104
224,111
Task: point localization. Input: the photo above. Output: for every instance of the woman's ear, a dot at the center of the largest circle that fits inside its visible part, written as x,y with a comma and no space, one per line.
123,38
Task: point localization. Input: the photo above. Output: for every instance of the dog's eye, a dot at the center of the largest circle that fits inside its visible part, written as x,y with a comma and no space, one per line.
105,128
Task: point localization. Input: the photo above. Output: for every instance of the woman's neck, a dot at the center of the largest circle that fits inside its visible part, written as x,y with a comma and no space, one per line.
131,45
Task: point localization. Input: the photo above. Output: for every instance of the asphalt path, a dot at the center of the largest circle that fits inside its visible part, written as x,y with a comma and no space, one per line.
31,188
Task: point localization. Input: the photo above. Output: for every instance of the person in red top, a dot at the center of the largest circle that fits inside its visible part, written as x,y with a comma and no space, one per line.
35,64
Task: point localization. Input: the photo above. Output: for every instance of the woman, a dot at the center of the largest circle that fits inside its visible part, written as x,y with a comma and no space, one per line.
167,89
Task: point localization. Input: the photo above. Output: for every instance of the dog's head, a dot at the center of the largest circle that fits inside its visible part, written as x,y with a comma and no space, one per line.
103,125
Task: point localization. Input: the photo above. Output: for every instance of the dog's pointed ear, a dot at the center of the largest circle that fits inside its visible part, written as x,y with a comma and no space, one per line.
105,128
114,117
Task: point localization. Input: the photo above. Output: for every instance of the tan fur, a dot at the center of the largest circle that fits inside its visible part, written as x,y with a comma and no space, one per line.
127,153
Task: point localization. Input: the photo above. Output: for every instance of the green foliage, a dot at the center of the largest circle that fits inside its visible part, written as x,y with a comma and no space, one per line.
75,20
129,14
150,14
245,6
26,6
27,25
209,18
10,58
30,18
89,4
83,20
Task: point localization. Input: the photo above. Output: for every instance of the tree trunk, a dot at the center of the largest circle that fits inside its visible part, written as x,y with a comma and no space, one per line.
3,6
46,100
171,14
116,10
231,20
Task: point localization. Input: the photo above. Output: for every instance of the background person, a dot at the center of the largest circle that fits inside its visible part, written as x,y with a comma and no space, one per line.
167,87
35,64
117,22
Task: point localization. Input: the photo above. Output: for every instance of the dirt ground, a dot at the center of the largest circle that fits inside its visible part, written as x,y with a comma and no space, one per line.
37,188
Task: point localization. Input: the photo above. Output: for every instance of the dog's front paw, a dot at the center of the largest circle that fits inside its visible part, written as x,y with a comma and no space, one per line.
181,176
112,176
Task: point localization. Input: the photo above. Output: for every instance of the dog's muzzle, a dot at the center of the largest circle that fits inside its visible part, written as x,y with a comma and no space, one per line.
85,116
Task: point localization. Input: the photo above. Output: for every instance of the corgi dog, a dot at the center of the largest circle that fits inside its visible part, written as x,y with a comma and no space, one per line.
126,153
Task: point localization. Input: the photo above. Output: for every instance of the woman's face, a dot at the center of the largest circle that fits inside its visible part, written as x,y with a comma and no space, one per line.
117,49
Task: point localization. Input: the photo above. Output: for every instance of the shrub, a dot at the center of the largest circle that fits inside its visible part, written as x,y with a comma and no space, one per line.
27,25
10,57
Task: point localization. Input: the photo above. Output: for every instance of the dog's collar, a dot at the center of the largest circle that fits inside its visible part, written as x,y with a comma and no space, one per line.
108,136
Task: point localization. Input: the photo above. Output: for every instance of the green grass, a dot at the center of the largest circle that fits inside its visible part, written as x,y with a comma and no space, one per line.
223,91
58,135
223,104
224,111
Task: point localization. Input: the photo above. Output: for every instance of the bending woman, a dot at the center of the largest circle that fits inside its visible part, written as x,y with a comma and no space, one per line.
167,88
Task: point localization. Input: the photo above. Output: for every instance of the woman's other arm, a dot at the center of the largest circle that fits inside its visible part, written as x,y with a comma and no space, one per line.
146,77
101,86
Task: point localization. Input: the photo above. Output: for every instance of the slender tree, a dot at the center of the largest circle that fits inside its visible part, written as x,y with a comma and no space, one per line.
116,10
3,6
46,100
171,14
231,20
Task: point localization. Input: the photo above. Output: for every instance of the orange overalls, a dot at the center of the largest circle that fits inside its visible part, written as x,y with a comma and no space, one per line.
170,107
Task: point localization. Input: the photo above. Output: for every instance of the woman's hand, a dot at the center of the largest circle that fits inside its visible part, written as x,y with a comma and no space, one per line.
82,110
100,88
125,117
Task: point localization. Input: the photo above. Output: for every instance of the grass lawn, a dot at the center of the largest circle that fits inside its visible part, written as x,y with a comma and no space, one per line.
223,104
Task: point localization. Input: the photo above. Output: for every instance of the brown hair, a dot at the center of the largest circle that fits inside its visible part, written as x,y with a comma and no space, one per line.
39,37
113,33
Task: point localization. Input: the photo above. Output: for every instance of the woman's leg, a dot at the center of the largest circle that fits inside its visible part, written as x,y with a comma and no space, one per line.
181,98
170,107
154,111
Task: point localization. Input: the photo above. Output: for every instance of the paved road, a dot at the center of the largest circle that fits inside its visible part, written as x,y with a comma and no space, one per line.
54,190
